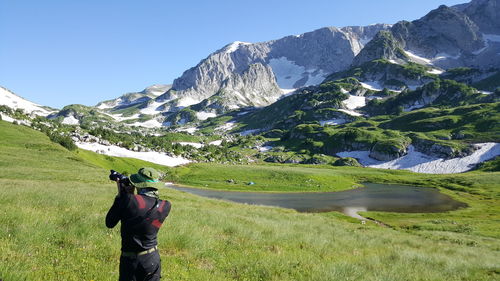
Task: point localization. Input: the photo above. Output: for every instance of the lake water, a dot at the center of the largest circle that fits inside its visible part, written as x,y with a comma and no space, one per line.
374,197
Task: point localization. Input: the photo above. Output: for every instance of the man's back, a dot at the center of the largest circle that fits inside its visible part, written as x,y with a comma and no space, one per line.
141,217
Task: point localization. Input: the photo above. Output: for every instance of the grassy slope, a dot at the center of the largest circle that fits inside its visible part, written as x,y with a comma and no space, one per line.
53,205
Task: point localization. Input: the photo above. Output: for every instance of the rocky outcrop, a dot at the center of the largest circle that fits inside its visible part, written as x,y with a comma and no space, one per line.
445,37
347,161
440,149
134,98
389,150
443,30
485,13
383,46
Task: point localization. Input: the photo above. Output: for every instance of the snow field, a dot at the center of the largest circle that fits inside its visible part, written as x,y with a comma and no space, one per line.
113,150
287,73
421,163
16,102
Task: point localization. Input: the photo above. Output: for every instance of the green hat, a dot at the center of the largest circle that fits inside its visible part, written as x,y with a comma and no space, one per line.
146,177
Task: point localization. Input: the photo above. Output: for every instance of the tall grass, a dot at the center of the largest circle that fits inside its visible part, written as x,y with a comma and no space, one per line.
53,203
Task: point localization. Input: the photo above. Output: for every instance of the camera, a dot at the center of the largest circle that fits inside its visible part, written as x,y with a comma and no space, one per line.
115,176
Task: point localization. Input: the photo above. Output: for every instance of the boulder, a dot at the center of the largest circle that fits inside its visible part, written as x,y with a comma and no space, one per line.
389,150
348,161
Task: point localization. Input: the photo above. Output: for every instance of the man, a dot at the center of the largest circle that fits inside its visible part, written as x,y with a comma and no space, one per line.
141,217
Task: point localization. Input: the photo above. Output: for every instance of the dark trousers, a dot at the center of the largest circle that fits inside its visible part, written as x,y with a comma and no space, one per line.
141,268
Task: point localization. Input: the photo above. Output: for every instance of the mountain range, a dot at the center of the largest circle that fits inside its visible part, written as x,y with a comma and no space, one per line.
254,75
332,89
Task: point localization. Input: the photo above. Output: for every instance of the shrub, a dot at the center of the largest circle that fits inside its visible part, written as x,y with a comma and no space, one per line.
65,141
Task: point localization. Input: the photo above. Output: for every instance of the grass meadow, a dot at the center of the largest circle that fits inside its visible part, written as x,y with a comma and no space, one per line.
53,203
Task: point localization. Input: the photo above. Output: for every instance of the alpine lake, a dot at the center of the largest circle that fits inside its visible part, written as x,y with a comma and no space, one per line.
371,197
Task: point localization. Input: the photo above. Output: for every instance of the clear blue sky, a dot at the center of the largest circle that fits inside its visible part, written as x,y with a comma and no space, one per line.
60,52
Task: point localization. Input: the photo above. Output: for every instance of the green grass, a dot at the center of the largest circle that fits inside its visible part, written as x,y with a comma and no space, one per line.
479,190
274,178
53,203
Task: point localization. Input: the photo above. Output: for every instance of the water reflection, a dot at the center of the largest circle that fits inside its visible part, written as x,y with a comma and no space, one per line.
374,197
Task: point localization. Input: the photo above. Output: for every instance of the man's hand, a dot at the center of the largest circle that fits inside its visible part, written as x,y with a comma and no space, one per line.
124,188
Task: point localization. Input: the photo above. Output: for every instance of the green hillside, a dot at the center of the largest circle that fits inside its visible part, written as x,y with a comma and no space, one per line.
53,204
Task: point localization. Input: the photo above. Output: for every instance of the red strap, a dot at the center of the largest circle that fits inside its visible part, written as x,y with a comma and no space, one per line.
156,223
140,201
161,206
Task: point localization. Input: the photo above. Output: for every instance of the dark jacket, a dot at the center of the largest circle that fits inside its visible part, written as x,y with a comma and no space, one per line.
141,217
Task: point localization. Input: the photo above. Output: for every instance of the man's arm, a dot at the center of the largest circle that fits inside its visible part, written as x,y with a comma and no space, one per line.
113,216
114,213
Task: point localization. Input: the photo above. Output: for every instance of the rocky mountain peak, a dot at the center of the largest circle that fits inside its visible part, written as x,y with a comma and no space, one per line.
485,13
384,46
292,62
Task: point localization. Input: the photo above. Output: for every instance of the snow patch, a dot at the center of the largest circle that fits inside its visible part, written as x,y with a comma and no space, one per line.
226,126
202,115
153,123
287,92
231,48
417,58
187,101
157,90
104,106
443,56
435,71
217,142
190,130
315,79
120,117
151,156
193,144
350,112
354,102
421,163
70,120
7,118
372,85
265,148
287,73
151,108
332,122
